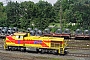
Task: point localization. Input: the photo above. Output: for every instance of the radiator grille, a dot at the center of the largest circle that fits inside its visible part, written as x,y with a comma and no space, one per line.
56,44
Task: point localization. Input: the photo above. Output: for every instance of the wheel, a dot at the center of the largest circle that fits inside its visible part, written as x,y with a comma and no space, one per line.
8,49
42,51
55,52
12,48
23,49
37,50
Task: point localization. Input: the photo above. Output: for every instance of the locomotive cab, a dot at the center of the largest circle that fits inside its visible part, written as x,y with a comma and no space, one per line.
14,41
19,36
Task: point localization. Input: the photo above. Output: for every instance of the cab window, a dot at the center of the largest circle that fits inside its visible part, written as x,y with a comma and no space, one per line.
26,35
19,37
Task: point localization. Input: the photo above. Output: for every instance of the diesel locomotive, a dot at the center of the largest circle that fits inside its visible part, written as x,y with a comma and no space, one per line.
24,41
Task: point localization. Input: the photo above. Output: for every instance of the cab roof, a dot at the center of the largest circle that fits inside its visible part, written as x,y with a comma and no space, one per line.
20,33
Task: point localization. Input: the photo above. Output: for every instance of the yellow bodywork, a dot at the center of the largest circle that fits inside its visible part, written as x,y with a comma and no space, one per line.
25,40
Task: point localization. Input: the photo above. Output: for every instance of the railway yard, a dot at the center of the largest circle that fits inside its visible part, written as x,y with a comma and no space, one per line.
77,50
45,30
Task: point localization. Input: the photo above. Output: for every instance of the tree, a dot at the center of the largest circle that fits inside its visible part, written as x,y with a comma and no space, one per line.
74,11
13,13
3,16
46,14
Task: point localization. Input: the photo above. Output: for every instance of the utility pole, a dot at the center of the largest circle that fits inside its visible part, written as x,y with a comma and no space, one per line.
61,14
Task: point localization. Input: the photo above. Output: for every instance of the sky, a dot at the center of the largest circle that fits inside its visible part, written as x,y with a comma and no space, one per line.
50,1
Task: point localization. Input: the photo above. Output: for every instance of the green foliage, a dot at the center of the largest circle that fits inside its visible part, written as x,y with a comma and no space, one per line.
74,11
2,15
40,15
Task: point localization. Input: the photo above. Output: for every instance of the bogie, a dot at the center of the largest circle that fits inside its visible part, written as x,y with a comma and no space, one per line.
55,52
42,51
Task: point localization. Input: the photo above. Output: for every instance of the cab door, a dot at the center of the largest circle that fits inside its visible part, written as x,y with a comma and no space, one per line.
19,40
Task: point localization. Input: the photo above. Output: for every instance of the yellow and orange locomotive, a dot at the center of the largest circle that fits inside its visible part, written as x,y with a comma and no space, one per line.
23,42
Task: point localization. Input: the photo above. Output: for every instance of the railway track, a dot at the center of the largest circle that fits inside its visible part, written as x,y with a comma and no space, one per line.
22,55
84,55
78,55
80,48
14,57
78,44
75,42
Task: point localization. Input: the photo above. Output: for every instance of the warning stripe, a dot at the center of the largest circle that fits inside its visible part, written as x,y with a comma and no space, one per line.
11,40
19,42
44,45
29,41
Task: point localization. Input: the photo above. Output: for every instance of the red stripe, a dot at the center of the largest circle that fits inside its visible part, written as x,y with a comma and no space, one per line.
21,42
44,45
26,41
9,41
29,41
10,38
32,42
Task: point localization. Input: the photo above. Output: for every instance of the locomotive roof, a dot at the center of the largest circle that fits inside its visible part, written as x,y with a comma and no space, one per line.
56,39
53,38
20,33
47,38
